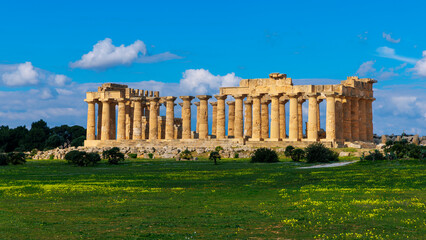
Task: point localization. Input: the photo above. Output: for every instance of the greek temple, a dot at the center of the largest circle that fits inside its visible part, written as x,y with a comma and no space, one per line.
122,116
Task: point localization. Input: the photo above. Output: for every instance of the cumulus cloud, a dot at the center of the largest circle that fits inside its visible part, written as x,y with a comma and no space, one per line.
201,81
388,38
420,67
366,68
388,52
105,55
20,74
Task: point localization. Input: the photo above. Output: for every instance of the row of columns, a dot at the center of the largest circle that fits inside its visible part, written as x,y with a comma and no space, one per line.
347,118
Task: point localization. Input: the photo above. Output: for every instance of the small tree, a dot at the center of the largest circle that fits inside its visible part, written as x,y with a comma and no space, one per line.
218,149
288,151
317,152
215,156
16,158
114,156
81,158
297,154
186,154
264,155
4,160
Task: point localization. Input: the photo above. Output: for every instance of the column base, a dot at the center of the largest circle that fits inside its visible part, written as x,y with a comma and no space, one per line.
292,140
255,139
273,139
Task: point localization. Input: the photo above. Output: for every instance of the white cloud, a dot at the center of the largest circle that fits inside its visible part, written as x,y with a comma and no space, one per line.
105,55
388,52
388,38
201,81
366,68
21,74
420,67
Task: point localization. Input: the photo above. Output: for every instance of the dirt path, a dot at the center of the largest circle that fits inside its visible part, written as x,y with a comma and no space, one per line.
329,165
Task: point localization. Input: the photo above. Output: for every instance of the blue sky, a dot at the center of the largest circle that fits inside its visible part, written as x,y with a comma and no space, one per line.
176,46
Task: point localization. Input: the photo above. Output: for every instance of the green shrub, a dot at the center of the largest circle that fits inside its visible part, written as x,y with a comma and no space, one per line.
150,155
77,142
51,157
288,151
264,155
297,154
133,155
218,149
114,156
236,155
4,160
373,156
403,149
16,158
186,154
317,152
214,156
81,158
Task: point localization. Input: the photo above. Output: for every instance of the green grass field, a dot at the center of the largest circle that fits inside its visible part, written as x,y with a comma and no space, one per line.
165,199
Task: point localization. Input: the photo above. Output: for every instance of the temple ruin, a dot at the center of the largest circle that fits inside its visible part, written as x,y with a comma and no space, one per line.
349,116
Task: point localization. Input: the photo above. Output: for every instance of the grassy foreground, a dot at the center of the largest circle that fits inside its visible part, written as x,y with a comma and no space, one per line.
165,199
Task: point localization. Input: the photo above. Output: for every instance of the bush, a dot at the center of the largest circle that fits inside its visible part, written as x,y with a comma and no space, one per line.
264,155
78,141
297,155
317,152
4,160
81,158
236,155
186,155
133,155
218,149
215,156
150,155
16,158
403,149
288,151
373,156
114,156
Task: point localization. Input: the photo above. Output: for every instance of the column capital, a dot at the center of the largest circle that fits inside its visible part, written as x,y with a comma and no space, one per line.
275,95
265,101
90,100
204,97
230,103
312,94
197,104
220,97
213,104
105,100
293,95
153,99
248,101
181,104
330,94
237,96
283,100
186,98
170,98
301,100
320,100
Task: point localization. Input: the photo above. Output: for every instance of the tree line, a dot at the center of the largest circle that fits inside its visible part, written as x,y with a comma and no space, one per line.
40,137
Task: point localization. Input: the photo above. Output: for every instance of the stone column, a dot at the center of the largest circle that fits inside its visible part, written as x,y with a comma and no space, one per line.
275,117
204,120
153,118
347,119
319,114
283,133
293,129
220,121
231,118
137,117
248,117
91,121
145,131
106,120
264,118
354,119
339,118
129,120
362,120
99,123
170,117
256,118
239,120
313,117
197,126
331,117
121,120
369,110
214,117
186,116
113,126
300,116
